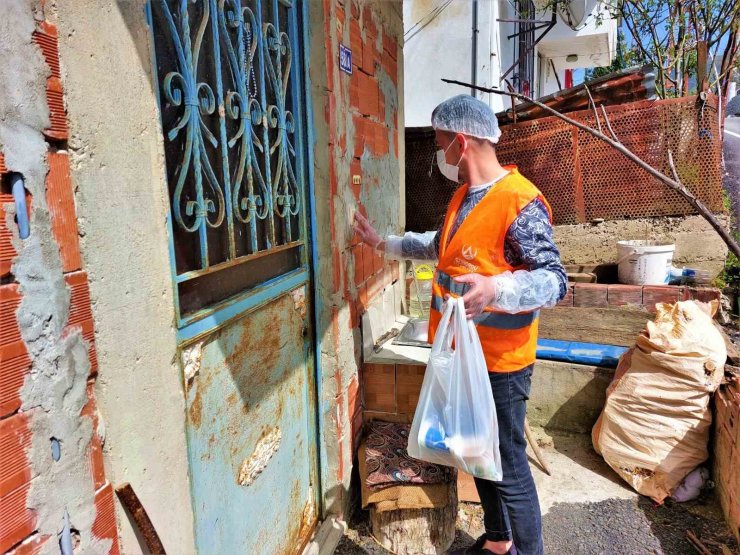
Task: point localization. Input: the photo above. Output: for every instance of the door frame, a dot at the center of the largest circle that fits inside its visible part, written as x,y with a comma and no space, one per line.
319,426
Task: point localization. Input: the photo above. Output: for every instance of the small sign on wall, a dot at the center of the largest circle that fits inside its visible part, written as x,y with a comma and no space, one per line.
345,59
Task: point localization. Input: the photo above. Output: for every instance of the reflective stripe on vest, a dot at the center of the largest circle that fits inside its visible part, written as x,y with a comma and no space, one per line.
500,320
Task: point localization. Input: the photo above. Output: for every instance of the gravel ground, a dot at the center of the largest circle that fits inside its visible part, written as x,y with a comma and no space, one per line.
613,527
623,526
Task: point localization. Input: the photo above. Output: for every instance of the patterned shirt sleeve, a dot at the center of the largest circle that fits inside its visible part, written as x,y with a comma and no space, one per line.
529,243
420,246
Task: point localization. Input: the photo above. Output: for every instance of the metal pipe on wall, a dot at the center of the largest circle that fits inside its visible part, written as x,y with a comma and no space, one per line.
18,189
474,56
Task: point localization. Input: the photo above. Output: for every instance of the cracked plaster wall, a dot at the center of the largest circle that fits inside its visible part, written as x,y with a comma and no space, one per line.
118,169
381,195
54,392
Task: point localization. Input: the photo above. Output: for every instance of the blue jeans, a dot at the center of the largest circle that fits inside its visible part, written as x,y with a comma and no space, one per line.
511,508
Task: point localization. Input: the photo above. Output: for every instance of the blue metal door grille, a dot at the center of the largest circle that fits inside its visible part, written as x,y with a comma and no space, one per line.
228,80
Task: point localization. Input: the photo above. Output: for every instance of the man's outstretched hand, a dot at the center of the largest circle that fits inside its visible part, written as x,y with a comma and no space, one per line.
366,231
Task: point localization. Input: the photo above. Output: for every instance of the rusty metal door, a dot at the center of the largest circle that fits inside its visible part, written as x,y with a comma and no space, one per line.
232,102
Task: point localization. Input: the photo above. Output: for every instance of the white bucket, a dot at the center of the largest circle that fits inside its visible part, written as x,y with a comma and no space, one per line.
644,262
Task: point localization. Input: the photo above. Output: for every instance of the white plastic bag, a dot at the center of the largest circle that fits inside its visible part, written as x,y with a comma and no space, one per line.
455,421
691,486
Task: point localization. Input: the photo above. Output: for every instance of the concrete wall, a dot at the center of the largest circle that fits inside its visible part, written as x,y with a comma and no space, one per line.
50,431
697,244
594,42
437,48
117,167
355,134
567,397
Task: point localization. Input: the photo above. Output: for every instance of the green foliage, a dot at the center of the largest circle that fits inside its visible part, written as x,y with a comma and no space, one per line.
668,34
730,276
726,201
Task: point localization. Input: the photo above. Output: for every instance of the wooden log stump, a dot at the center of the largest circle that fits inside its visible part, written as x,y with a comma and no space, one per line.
416,531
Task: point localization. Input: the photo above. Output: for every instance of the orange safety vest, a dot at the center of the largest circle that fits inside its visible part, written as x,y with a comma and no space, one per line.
509,340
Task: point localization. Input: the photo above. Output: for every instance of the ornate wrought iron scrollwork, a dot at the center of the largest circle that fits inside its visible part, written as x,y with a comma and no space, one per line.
278,58
239,25
227,65
181,88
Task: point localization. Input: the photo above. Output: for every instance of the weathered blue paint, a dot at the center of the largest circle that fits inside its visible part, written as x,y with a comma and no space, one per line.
218,29
249,497
251,300
316,305
303,102
246,92
251,405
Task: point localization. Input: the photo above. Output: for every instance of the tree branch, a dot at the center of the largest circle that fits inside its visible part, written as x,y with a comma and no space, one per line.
593,107
609,125
674,184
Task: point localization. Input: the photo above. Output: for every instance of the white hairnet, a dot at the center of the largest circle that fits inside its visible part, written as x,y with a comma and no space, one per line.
467,115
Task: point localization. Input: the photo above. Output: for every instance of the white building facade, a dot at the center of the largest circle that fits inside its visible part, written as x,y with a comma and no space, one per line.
499,43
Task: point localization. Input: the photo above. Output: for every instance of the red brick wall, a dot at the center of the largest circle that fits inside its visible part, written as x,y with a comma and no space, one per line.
373,51
18,523
391,391
362,119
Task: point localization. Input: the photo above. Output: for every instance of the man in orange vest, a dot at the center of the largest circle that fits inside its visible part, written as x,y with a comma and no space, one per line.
495,249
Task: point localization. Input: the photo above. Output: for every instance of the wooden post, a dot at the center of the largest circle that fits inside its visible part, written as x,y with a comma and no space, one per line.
416,531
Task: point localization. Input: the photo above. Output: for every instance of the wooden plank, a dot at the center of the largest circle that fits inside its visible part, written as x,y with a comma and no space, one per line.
606,326
581,277
605,273
466,490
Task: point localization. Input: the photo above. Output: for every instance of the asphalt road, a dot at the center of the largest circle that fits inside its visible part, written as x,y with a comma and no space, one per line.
732,164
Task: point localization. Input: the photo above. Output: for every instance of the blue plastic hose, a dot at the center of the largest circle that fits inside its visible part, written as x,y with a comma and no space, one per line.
21,211
580,353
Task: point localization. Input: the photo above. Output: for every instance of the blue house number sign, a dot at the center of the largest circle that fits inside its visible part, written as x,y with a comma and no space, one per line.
345,59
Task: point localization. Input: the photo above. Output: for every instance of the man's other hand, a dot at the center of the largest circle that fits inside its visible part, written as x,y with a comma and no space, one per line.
481,294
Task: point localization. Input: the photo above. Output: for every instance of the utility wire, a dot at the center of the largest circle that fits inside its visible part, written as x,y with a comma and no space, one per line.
432,15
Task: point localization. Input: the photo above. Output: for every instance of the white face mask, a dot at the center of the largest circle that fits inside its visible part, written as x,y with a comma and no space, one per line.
450,171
